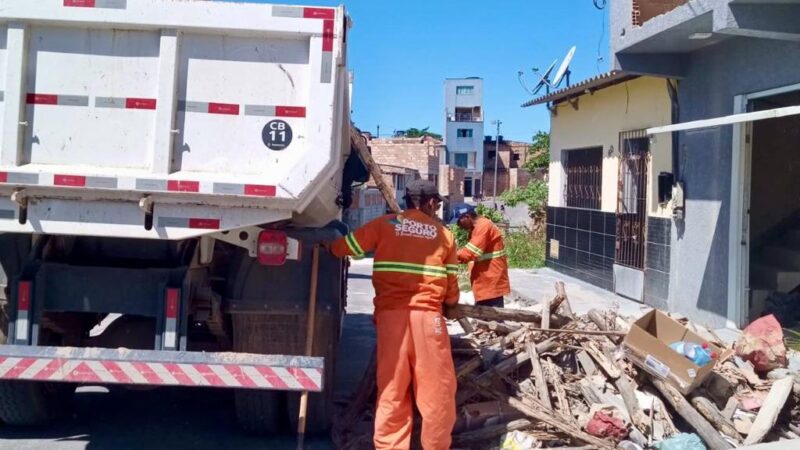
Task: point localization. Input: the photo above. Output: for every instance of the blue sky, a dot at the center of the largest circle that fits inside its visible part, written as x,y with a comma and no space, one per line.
401,52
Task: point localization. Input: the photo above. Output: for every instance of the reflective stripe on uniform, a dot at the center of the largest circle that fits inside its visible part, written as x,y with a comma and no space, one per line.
474,249
452,269
493,255
403,267
352,244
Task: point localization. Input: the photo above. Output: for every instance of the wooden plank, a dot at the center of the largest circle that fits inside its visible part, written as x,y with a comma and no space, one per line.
538,376
468,367
563,403
497,327
586,362
768,414
563,301
627,389
730,408
710,435
359,143
493,431
606,364
484,379
598,319
546,314
547,418
489,313
709,410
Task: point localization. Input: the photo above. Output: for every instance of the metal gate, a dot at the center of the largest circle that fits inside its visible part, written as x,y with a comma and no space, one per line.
632,199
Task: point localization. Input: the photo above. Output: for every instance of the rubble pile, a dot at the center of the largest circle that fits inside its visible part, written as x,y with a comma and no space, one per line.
547,378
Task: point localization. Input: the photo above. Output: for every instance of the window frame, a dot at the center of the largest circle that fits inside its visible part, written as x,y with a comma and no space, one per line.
583,177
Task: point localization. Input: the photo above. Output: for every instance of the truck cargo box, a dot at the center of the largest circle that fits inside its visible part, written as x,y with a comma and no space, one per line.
169,119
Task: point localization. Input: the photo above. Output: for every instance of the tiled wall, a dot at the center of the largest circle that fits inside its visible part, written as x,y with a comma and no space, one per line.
656,274
586,244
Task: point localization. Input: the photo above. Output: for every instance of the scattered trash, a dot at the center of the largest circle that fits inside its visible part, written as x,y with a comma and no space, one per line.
683,441
606,426
517,440
762,344
696,353
585,381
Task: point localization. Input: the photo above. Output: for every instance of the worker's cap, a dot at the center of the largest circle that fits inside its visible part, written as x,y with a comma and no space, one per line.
463,210
422,188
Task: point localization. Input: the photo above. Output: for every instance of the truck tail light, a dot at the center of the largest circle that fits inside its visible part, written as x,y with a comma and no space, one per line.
273,247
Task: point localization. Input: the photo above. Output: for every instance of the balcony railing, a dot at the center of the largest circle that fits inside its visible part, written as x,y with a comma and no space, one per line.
465,118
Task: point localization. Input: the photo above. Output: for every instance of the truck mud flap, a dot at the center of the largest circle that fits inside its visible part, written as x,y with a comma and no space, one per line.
161,368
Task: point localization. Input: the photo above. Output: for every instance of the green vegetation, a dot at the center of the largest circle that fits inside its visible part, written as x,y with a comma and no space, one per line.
534,195
418,133
539,152
525,250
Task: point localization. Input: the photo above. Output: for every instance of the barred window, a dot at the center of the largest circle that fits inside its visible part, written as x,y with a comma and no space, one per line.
584,177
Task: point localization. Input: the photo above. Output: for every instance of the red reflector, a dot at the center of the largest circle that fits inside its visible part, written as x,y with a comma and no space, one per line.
223,108
140,103
272,247
183,186
69,180
262,191
290,111
42,99
205,224
3,177
24,296
80,3
327,36
172,303
318,13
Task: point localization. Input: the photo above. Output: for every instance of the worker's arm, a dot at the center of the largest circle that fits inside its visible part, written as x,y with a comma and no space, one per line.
359,242
452,294
478,242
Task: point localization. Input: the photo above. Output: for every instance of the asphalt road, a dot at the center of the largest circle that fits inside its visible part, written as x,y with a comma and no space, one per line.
197,419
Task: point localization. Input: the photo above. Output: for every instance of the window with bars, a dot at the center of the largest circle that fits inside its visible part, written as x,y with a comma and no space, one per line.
584,177
464,90
632,199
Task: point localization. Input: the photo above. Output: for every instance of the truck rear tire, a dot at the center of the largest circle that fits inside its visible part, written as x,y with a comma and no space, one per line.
32,403
258,412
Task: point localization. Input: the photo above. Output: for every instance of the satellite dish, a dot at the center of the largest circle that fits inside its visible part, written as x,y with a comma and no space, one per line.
544,79
564,69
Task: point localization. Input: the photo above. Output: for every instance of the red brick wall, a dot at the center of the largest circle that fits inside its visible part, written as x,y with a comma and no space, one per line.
644,10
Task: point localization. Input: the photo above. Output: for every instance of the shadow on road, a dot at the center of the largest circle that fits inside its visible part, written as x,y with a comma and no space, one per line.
180,418
359,276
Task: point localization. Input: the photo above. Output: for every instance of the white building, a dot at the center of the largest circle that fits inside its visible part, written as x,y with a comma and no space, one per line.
463,130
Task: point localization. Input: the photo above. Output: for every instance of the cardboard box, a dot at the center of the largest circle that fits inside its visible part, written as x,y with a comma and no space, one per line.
647,344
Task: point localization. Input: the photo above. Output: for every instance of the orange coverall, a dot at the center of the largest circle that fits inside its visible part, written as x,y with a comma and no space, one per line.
486,250
414,272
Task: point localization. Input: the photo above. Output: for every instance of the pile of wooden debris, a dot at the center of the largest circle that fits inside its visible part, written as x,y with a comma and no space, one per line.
548,378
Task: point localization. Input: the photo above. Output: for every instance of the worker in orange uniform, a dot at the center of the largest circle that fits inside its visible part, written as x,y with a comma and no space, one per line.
414,274
487,252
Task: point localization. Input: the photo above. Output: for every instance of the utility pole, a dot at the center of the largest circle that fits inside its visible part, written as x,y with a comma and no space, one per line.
496,157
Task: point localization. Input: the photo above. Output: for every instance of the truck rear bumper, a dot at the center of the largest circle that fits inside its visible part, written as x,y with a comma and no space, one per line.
161,368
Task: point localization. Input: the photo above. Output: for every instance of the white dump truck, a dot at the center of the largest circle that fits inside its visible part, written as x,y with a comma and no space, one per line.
166,169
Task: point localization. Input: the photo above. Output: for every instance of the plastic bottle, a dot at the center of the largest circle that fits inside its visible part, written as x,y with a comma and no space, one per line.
698,353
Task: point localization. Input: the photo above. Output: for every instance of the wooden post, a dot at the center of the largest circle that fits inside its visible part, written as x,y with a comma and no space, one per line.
310,325
687,411
359,143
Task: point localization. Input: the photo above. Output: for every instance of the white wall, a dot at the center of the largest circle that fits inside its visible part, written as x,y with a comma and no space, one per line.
598,121
451,101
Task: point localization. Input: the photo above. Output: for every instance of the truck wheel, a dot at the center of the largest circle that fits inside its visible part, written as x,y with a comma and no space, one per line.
320,412
258,412
30,403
